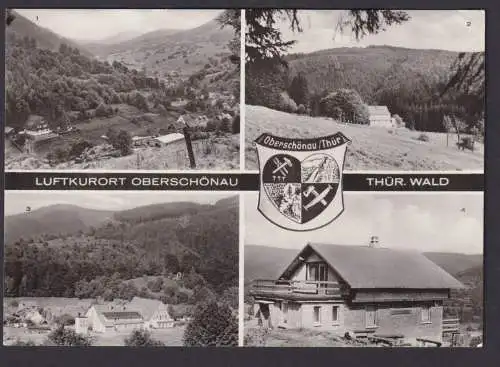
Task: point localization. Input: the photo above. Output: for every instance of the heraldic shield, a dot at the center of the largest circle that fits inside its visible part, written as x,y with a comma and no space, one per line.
301,180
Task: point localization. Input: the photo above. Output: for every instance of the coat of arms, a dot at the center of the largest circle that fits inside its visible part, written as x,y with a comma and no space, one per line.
301,180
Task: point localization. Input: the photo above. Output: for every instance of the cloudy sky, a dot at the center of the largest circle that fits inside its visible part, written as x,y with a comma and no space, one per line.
17,201
424,222
429,29
96,24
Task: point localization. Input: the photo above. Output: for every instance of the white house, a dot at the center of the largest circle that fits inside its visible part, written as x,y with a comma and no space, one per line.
380,116
171,139
154,312
105,318
140,313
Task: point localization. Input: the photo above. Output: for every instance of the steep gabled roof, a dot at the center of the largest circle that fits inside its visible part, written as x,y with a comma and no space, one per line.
364,267
146,307
378,110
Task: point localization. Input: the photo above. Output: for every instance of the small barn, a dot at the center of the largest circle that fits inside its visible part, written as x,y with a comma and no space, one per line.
380,116
171,140
363,290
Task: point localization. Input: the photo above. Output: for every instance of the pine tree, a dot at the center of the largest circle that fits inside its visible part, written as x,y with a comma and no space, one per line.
299,90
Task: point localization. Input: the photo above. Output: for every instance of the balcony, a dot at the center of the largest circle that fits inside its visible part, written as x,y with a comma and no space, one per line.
296,289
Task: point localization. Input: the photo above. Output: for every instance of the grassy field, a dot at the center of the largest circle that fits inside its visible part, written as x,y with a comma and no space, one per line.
221,153
170,337
371,148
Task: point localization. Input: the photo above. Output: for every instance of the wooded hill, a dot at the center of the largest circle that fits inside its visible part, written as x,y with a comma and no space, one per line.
201,241
62,81
409,82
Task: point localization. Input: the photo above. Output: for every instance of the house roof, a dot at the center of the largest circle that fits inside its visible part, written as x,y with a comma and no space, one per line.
169,138
378,110
113,314
147,307
364,267
8,129
34,121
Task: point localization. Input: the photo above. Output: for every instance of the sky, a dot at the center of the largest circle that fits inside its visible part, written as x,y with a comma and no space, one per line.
97,24
426,29
17,201
422,222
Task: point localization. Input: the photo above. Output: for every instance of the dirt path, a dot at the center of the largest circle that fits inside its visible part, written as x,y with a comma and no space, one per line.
371,148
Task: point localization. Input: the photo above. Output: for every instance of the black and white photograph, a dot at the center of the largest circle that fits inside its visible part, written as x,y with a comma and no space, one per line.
395,270
136,269
406,86
122,89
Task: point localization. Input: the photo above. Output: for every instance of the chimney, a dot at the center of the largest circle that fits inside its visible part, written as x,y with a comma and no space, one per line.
373,242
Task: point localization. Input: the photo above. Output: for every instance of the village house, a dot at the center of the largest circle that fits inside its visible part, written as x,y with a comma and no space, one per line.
193,120
105,318
154,312
36,127
380,116
173,140
363,290
140,313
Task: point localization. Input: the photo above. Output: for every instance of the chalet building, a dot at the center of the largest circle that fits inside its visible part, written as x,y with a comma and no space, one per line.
363,290
36,127
380,116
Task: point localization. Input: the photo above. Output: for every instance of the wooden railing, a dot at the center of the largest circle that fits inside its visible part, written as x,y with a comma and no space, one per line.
304,287
451,325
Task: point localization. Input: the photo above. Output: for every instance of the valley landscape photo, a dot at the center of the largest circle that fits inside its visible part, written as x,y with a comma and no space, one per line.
402,270
133,269
122,89
407,87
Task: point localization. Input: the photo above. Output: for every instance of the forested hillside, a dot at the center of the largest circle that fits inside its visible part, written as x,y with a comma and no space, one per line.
200,243
409,82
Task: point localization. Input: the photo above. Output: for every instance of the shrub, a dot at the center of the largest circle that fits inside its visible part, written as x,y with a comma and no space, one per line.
301,109
345,103
142,338
212,325
20,343
66,337
286,103
423,137
65,320
78,148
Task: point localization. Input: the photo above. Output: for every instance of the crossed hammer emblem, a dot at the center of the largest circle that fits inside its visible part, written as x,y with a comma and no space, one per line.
319,197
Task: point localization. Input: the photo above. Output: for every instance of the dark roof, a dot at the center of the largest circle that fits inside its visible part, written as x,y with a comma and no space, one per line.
124,315
364,267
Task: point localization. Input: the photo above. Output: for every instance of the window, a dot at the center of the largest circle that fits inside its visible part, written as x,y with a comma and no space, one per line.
317,315
285,312
335,314
426,314
371,317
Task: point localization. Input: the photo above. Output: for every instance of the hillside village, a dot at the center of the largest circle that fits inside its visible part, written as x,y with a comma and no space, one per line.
87,112
105,275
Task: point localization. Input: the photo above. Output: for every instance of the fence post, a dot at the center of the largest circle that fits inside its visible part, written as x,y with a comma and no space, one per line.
189,146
